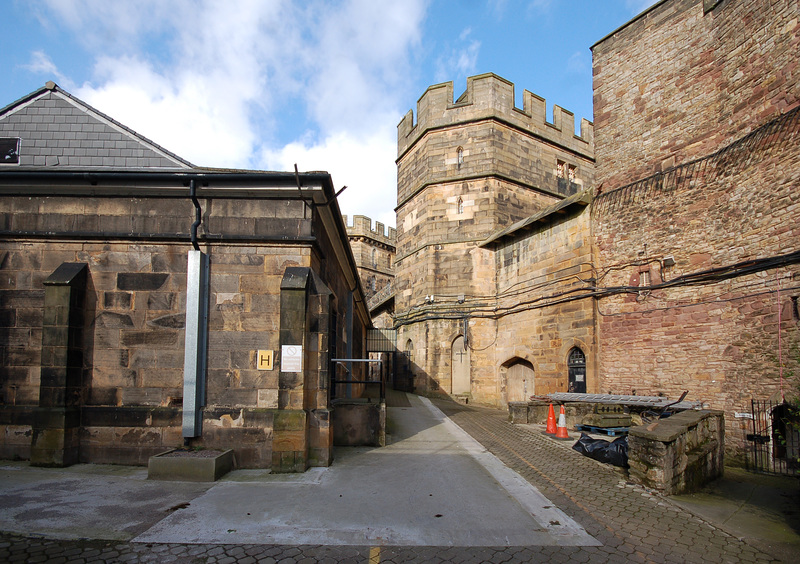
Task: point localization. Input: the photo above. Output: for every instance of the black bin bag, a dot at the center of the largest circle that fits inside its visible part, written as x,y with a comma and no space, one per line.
615,452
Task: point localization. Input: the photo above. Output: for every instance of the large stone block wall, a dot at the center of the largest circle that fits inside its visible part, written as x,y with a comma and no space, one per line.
490,96
678,83
361,226
535,273
716,338
374,253
698,95
133,368
488,149
467,169
679,454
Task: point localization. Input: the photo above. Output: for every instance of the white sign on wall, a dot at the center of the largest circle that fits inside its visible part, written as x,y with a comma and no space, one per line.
292,358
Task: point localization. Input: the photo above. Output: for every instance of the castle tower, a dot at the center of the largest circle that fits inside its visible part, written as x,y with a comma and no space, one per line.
374,251
466,169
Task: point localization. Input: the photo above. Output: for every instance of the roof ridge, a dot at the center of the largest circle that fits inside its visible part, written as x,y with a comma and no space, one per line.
56,88
51,86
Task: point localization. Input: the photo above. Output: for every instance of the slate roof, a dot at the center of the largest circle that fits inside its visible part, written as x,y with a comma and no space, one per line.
57,130
580,199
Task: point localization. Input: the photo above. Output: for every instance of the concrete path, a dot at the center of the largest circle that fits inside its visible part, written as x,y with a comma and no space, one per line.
432,486
434,494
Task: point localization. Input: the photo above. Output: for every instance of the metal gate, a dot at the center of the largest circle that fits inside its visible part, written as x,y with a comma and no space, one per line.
775,438
382,344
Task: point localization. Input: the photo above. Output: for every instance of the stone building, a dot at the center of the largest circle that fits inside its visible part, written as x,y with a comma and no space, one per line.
374,252
467,170
657,252
147,303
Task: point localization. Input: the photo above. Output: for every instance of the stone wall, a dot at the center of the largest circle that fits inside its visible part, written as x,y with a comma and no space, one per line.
374,253
468,168
131,392
703,251
679,82
541,275
679,454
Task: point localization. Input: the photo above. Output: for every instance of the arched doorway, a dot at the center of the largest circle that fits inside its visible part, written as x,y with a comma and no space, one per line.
407,370
519,380
459,362
576,364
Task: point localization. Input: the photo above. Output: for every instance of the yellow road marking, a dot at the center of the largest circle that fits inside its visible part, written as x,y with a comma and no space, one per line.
374,555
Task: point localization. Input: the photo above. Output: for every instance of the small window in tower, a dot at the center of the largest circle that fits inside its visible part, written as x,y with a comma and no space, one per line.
560,169
374,257
573,173
9,150
460,205
460,156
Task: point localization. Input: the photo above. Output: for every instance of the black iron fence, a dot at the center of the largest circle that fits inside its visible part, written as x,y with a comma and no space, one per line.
775,438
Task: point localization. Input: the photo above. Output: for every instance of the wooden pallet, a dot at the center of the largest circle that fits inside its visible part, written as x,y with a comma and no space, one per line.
610,431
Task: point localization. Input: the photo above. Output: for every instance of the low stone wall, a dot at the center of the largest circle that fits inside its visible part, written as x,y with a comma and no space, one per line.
678,454
535,412
359,422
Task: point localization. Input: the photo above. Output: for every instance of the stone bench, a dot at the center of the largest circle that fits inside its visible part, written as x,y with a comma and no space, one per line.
678,454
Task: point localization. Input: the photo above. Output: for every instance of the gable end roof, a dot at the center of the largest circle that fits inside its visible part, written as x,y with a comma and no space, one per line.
58,130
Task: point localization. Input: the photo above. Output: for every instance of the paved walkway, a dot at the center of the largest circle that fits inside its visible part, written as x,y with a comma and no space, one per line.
605,519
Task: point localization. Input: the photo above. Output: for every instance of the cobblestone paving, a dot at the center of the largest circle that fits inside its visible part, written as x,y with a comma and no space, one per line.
631,524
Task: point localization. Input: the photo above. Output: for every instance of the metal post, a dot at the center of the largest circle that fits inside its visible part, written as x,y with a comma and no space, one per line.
349,344
194,364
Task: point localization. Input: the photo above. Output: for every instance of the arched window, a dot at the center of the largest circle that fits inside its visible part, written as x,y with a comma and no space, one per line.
576,365
460,205
460,156
374,257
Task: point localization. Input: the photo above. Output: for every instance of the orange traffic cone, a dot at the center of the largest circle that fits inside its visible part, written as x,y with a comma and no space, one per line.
561,431
551,422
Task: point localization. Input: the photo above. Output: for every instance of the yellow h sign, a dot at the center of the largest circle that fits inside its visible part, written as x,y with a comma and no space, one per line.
264,360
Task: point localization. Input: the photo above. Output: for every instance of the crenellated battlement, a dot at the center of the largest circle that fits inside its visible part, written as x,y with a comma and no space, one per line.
362,227
491,96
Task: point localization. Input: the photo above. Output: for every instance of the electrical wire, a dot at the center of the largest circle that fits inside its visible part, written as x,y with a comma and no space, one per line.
704,277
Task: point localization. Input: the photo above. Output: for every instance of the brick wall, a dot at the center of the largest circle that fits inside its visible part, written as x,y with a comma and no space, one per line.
682,88
678,83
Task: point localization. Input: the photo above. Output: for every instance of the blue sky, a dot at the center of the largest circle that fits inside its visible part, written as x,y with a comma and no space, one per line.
264,84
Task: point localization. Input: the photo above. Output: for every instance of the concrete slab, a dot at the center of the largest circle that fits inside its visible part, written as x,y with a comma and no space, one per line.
93,501
433,485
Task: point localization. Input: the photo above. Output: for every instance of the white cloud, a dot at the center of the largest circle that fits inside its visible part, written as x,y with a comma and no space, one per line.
212,81
357,162
461,60
183,113
40,63
579,63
